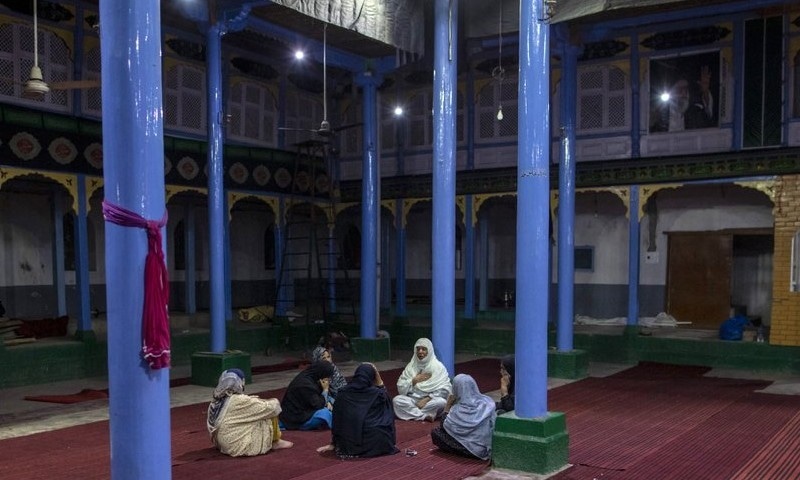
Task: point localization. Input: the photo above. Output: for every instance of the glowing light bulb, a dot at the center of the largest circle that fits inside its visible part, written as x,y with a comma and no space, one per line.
664,97
299,54
500,113
398,111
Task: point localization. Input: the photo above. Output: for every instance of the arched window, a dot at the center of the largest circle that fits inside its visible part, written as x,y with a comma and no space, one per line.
179,246
351,249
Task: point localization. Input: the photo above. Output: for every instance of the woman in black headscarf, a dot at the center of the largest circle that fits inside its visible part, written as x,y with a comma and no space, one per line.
506,403
363,419
306,405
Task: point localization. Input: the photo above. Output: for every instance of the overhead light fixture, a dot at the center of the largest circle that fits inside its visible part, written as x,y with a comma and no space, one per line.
35,87
498,72
299,54
664,97
398,111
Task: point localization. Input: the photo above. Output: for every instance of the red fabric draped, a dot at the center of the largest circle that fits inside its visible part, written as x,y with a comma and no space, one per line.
155,314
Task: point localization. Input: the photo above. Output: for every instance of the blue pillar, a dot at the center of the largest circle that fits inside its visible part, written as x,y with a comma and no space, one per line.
226,239
280,291
483,264
533,210
190,254
59,282
633,256
445,55
216,191
370,203
469,261
400,274
133,146
738,84
82,281
386,279
331,259
566,200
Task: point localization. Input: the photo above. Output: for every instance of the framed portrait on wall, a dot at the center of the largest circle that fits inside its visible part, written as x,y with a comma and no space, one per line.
684,92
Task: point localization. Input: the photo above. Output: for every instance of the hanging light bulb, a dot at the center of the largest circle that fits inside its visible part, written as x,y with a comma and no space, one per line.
500,112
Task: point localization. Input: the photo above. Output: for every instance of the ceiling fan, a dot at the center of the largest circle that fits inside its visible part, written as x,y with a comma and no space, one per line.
35,86
325,129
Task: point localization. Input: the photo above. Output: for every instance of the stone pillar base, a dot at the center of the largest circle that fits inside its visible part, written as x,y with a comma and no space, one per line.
535,445
207,366
370,349
573,364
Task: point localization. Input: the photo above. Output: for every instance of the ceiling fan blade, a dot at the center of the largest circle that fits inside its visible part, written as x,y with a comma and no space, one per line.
293,129
346,127
75,84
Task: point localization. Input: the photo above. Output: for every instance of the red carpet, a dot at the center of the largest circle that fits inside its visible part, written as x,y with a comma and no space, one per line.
669,422
82,452
88,394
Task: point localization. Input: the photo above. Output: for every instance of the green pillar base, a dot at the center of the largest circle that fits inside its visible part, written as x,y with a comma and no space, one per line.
207,366
573,364
370,349
536,445
86,336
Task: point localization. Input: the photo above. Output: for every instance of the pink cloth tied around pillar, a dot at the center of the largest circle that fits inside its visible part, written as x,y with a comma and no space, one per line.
155,316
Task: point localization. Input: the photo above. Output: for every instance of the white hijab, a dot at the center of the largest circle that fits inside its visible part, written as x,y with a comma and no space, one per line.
439,377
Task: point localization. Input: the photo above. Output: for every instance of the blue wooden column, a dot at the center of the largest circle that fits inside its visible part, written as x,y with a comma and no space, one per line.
370,205
189,256
368,347
216,189
280,222
445,70
483,264
83,285
206,366
400,268
633,257
59,281
469,260
566,200
133,146
531,438
566,362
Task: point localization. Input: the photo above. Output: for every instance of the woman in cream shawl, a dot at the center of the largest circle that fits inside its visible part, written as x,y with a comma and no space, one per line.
423,386
243,425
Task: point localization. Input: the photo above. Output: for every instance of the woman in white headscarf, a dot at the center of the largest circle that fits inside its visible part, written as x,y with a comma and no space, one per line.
467,422
243,425
423,386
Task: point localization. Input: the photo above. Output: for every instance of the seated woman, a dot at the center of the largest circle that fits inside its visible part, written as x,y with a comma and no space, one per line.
243,425
506,403
337,379
468,421
306,405
363,420
423,386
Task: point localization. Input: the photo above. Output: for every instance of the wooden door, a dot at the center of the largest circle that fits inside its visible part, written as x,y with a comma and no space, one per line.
699,278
